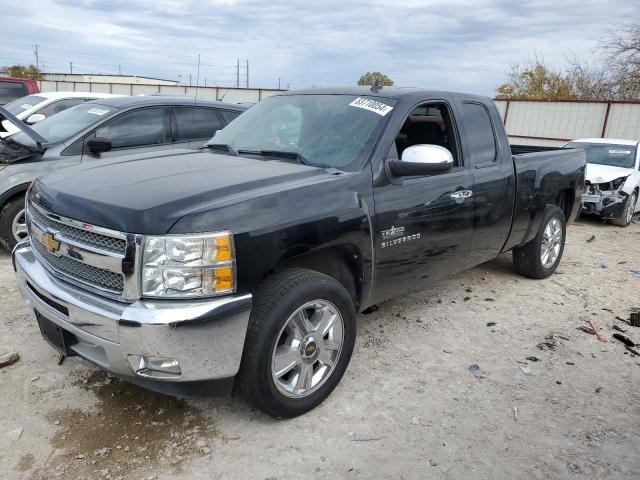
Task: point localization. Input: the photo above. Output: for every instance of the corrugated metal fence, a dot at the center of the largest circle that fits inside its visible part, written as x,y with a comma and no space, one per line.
534,122
233,95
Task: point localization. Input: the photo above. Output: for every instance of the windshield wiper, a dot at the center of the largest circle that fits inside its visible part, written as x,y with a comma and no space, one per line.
221,146
279,153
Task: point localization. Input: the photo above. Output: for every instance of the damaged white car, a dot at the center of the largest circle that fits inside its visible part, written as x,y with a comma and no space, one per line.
612,178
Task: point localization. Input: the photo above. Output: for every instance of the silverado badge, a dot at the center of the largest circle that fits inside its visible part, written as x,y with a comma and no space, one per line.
50,242
395,236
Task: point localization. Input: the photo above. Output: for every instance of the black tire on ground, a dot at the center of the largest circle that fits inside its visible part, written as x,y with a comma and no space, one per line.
7,214
274,302
527,258
624,220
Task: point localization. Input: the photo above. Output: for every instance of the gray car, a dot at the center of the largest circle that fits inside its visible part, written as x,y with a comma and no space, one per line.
97,131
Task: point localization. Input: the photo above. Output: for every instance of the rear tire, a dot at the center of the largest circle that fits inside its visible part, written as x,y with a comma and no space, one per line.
540,257
13,227
273,335
625,219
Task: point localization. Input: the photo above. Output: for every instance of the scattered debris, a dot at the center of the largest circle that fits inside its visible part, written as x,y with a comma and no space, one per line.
515,413
7,359
468,290
606,309
591,238
473,368
598,390
558,382
371,309
632,351
372,439
61,358
525,370
603,265
584,329
570,363
634,319
489,299
466,299
635,271
616,327
600,336
550,342
624,339
491,324
14,435
532,358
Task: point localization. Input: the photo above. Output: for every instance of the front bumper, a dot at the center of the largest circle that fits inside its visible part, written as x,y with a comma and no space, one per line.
609,204
206,337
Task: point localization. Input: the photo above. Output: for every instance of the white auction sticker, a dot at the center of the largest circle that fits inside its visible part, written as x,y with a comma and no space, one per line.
620,152
98,111
25,106
371,105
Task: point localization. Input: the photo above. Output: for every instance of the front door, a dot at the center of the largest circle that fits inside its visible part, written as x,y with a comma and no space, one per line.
424,224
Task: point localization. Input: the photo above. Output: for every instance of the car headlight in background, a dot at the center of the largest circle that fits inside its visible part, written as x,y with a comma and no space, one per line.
188,266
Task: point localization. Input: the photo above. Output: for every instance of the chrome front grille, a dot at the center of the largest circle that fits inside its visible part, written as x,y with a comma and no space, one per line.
93,276
91,239
91,257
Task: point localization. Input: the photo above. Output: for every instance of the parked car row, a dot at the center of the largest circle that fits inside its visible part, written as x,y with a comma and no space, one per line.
98,130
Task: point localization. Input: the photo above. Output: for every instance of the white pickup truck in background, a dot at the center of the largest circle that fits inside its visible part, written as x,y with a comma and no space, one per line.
612,178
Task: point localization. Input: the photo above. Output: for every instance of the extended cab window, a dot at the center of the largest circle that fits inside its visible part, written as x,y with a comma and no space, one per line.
135,129
428,124
228,116
479,133
60,105
195,123
10,91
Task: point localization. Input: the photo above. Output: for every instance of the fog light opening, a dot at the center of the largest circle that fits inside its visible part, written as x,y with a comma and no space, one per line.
154,367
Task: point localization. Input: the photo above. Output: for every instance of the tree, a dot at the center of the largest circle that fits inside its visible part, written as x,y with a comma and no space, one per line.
22,71
370,78
535,79
622,48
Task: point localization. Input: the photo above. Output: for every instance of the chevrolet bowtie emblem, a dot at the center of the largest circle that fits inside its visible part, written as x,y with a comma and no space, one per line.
50,242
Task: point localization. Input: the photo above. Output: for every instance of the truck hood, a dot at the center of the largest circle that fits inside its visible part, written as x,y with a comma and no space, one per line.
597,173
149,194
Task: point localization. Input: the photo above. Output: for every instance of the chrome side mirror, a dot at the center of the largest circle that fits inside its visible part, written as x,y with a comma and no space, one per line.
422,160
35,118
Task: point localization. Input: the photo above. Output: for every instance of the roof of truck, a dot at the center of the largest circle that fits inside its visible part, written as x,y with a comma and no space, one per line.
395,93
123,102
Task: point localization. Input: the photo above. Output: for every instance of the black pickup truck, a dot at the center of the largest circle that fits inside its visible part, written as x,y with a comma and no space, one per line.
246,262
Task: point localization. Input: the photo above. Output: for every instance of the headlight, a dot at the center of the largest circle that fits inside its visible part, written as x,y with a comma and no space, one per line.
615,184
188,266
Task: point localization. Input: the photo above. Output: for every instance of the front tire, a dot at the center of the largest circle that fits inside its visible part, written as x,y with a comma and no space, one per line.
540,257
627,215
13,225
299,342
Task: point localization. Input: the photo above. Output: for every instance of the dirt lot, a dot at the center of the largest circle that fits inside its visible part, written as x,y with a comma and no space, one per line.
408,406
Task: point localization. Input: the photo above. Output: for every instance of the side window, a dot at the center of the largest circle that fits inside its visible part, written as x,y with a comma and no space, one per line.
135,129
480,135
9,91
60,105
429,124
196,123
228,116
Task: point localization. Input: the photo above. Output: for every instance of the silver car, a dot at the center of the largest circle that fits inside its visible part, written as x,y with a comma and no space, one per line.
97,131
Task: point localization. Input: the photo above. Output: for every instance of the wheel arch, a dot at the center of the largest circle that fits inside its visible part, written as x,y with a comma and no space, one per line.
13,192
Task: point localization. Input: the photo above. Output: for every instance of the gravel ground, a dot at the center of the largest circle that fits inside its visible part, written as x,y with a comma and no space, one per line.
408,406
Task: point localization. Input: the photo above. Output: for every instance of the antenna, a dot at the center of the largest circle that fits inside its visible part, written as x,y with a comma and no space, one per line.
376,84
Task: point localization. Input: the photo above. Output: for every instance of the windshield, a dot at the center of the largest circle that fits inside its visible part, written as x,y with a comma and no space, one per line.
25,103
64,125
325,130
607,153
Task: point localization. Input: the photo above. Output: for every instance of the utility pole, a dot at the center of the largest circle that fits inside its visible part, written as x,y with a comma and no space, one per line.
247,73
205,81
189,79
278,83
71,68
119,70
238,74
198,74
37,57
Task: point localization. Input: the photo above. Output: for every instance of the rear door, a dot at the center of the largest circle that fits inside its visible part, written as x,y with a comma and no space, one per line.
490,158
193,126
134,131
424,223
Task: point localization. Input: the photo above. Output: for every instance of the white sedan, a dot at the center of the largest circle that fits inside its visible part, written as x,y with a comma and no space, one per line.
612,177
36,107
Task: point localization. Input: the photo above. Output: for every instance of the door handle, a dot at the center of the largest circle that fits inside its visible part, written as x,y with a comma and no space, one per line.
460,195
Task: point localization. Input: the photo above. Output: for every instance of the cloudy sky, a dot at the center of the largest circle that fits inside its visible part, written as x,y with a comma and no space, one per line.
442,44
